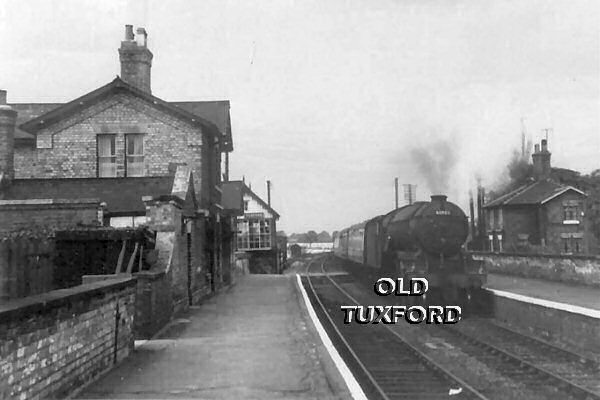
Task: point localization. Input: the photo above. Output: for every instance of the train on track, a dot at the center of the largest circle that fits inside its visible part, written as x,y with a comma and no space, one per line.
422,240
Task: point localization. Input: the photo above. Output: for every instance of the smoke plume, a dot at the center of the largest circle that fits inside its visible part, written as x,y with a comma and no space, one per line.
435,163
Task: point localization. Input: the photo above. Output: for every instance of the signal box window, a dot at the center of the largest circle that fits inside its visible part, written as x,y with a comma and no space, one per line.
254,234
107,159
135,155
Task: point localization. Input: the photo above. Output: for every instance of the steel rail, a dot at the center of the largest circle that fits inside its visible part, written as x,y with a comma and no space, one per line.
428,360
576,389
342,338
576,357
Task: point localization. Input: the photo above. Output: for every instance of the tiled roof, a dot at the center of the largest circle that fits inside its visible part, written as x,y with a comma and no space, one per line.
537,192
215,111
29,111
212,115
232,198
122,195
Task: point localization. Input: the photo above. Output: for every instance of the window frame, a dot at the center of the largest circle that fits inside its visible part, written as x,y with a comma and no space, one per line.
254,234
113,156
127,155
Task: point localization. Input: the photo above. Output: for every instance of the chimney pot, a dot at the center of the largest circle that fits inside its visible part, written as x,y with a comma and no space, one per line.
537,148
2,97
544,145
142,37
128,32
136,59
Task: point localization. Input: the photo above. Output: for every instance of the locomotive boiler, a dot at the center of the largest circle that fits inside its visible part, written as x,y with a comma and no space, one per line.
424,239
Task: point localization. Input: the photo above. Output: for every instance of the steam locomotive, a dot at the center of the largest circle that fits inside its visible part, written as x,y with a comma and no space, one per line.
421,240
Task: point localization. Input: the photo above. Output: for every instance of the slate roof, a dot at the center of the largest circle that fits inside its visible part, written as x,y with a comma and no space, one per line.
122,195
29,111
213,115
232,198
535,193
215,111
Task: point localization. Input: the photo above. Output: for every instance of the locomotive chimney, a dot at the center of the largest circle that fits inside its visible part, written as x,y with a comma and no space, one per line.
438,199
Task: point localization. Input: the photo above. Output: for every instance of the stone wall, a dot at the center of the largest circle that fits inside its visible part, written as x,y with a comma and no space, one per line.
54,343
47,213
569,269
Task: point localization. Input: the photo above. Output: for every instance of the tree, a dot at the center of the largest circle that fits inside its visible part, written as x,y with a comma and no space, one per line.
323,237
311,237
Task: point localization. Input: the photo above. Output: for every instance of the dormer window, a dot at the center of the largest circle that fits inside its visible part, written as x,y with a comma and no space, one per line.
134,161
107,159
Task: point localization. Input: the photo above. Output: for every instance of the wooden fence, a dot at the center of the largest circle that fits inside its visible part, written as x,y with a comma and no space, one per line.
26,266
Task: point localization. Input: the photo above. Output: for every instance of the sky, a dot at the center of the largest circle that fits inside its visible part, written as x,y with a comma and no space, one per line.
332,100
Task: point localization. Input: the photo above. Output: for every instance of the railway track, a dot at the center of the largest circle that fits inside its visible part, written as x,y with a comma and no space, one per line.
535,364
532,360
390,367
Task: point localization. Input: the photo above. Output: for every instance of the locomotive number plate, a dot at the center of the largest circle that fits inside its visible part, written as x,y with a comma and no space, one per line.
442,212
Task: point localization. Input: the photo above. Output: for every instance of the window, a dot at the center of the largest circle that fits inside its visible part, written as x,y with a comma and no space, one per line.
576,245
254,234
572,242
570,214
107,160
134,145
245,205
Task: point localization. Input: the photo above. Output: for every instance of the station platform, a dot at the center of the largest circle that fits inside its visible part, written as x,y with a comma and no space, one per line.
253,341
577,296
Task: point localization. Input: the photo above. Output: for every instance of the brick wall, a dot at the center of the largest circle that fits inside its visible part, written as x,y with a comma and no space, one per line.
47,213
571,269
187,277
68,149
54,343
554,223
578,331
153,303
520,220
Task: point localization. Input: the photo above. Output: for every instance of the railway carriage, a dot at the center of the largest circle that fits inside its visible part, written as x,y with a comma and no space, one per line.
424,239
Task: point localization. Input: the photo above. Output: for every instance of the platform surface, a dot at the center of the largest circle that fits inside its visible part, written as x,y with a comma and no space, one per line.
577,295
253,341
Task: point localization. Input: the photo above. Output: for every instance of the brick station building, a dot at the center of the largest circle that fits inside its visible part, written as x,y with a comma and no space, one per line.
144,160
543,215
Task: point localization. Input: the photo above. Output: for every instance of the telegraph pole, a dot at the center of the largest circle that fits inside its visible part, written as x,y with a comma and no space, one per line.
396,190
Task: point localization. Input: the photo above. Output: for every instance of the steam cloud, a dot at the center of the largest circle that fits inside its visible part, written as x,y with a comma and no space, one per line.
436,163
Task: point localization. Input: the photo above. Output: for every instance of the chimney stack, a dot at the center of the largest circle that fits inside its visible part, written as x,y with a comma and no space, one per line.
136,59
541,161
8,118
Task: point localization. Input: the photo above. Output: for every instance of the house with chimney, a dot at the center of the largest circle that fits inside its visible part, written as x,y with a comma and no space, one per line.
256,233
121,156
542,215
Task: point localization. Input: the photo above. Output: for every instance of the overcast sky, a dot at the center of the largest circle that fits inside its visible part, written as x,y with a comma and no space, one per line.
333,99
